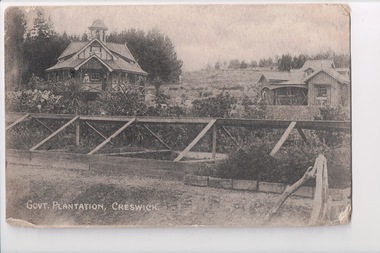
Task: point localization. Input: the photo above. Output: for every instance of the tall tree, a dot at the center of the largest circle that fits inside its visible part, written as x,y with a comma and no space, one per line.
217,65
234,64
84,37
42,47
243,65
154,52
253,64
42,26
285,63
15,28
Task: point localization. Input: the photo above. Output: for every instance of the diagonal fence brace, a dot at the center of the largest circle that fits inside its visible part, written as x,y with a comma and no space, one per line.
196,140
112,136
17,121
283,138
54,134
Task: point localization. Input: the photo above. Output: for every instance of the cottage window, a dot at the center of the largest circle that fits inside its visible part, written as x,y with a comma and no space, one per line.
322,91
95,49
322,95
95,76
60,76
309,71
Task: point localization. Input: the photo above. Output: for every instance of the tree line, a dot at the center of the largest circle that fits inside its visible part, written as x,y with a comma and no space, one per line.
29,52
285,62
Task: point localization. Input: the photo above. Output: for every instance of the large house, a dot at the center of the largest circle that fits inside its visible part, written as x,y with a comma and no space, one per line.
98,64
317,83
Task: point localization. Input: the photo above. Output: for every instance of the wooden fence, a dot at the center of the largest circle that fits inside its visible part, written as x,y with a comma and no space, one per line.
210,124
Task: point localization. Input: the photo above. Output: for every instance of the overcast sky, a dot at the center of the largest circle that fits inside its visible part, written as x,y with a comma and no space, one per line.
204,34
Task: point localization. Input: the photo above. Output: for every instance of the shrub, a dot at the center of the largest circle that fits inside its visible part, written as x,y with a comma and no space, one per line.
254,108
289,165
248,163
328,137
36,82
129,102
219,106
332,113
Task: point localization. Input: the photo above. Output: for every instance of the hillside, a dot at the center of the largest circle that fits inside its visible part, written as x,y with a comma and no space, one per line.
207,83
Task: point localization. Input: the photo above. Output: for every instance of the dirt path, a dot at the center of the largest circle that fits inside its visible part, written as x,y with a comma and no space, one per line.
112,199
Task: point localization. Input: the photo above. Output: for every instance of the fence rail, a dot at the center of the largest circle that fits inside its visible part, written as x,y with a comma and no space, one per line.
211,124
336,126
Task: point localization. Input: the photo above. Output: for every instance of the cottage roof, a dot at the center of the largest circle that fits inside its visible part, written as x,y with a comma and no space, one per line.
271,75
282,76
120,49
291,82
124,60
117,64
318,64
98,24
297,77
277,86
332,72
69,63
73,48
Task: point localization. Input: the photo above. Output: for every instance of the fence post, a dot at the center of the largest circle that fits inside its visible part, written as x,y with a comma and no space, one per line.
320,196
214,136
77,132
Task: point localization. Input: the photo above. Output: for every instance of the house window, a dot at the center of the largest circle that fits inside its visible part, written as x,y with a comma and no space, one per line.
322,95
309,71
60,76
95,49
95,77
322,91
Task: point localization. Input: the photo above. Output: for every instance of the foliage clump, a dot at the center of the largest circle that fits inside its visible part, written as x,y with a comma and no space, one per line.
219,106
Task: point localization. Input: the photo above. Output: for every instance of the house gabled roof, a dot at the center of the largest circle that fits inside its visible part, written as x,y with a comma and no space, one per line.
318,64
91,42
297,78
269,75
116,64
122,58
92,57
120,49
73,48
67,64
331,72
294,76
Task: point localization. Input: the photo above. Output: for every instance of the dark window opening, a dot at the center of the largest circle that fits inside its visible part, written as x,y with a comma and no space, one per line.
95,76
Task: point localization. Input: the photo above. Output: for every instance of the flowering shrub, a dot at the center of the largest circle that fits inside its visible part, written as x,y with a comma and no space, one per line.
33,101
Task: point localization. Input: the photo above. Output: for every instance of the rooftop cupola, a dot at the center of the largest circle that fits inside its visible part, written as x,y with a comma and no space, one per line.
98,30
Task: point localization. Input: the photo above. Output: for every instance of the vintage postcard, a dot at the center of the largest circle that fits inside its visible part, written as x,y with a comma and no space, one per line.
178,115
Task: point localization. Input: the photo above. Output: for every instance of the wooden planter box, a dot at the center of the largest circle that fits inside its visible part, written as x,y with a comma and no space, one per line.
271,187
220,182
196,180
248,185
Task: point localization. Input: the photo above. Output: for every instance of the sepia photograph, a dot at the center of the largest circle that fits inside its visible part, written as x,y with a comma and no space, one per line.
218,115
